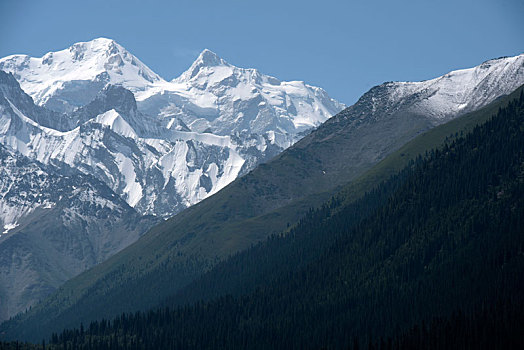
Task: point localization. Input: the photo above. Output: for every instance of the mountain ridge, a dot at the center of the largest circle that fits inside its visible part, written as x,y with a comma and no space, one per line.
202,163
103,61
171,254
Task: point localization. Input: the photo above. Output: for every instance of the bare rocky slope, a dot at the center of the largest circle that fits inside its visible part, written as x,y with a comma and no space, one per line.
73,223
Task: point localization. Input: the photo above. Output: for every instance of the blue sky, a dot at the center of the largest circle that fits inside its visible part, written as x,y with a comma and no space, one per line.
345,47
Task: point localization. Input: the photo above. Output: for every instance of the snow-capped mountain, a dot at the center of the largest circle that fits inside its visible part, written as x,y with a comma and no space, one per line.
211,96
154,175
71,78
162,146
82,164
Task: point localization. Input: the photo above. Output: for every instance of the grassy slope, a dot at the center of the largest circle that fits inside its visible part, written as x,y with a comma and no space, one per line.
248,210
394,163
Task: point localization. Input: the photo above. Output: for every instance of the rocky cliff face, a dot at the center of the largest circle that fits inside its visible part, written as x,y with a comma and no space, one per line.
57,223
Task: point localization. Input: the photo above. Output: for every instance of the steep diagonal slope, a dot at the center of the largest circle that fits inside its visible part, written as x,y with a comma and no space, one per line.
443,235
480,165
248,210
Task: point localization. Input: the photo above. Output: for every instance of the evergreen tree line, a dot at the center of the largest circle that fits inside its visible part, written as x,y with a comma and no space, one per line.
496,327
431,259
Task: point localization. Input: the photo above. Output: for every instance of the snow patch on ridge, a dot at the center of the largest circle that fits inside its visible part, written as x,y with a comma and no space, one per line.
132,189
461,90
231,170
116,123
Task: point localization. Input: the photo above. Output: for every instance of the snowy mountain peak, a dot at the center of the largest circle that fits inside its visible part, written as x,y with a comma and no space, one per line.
161,146
70,78
100,46
206,59
107,55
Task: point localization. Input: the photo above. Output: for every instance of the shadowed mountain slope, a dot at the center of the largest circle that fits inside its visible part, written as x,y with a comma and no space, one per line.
432,258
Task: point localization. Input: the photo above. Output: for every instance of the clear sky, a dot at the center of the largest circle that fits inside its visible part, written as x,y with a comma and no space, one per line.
346,47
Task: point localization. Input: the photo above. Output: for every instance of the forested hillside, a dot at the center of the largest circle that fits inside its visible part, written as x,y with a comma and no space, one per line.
432,258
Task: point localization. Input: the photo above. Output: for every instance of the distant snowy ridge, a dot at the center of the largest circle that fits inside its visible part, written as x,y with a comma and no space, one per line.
190,136
211,95
165,145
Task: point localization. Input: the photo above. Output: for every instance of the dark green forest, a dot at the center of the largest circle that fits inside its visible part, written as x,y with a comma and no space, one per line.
430,259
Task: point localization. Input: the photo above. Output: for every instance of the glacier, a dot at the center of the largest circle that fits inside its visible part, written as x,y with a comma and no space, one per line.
160,145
